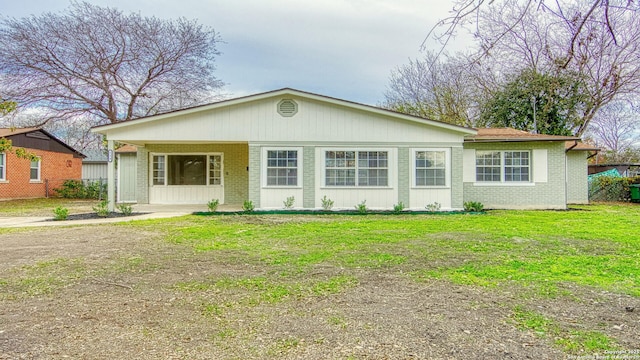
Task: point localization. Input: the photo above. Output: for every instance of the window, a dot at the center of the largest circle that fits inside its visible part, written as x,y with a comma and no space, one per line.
488,166
503,166
35,171
187,169
430,168
158,170
516,166
372,168
215,170
342,169
282,168
3,167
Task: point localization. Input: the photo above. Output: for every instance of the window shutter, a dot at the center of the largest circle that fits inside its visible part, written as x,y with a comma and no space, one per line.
469,165
540,166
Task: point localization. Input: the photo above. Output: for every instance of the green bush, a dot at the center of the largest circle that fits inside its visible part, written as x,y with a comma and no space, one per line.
289,202
71,189
212,205
60,213
125,209
473,206
327,204
248,206
397,208
76,189
433,207
610,188
102,209
362,207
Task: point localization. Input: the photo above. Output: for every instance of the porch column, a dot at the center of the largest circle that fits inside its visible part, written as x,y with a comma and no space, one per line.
111,175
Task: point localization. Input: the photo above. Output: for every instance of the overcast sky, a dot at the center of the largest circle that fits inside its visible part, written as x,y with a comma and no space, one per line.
340,48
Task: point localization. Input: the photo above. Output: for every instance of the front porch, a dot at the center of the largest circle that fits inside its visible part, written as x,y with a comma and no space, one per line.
189,174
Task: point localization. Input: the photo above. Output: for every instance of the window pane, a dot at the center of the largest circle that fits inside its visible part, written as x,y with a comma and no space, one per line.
516,166
215,170
372,168
488,166
34,173
158,170
282,167
187,169
430,168
2,167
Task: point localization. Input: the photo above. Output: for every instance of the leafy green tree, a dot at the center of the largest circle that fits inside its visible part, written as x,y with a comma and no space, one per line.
552,104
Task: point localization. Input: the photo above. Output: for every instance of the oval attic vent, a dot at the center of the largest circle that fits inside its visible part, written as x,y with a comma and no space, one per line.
287,107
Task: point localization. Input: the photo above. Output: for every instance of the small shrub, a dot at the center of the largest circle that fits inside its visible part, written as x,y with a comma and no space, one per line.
102,209
362,207
433,207
473,206
212,205
60,213
327,204
76,189
72,189
288,204
125,209
397,208
248,206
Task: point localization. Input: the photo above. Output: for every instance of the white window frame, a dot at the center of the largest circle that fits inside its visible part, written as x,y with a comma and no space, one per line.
390,162
265,167
447,168
39,170
3,167
166,168
503,181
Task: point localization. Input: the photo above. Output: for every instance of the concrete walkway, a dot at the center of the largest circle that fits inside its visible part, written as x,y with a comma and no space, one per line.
149,212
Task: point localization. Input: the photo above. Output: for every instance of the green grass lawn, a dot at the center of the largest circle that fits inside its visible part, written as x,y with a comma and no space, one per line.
558,258
539,253
590,245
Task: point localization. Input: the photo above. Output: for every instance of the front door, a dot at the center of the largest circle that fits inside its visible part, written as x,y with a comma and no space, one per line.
127,175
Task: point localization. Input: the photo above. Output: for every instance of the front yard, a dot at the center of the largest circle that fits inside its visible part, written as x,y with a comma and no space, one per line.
506,284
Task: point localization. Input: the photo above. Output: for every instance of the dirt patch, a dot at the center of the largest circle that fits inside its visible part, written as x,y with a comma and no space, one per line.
119,295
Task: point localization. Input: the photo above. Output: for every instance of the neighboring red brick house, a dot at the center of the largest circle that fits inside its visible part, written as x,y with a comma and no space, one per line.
22,178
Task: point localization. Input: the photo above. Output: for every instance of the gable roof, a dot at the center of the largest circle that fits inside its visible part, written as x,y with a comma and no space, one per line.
11,132
510,134
7,132
286,92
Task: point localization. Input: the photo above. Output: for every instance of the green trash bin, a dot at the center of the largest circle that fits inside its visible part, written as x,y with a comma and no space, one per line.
634,189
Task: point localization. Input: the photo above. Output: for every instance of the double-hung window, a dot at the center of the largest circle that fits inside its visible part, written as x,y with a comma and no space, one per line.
34,170
430,168
357,168
3,167
191,169
282,168
503,166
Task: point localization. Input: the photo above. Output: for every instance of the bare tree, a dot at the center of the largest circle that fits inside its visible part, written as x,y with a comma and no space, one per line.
616,130
465,15
102,65
438,88
598,39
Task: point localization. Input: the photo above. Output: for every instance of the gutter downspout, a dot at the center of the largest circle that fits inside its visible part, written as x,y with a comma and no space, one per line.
575,143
